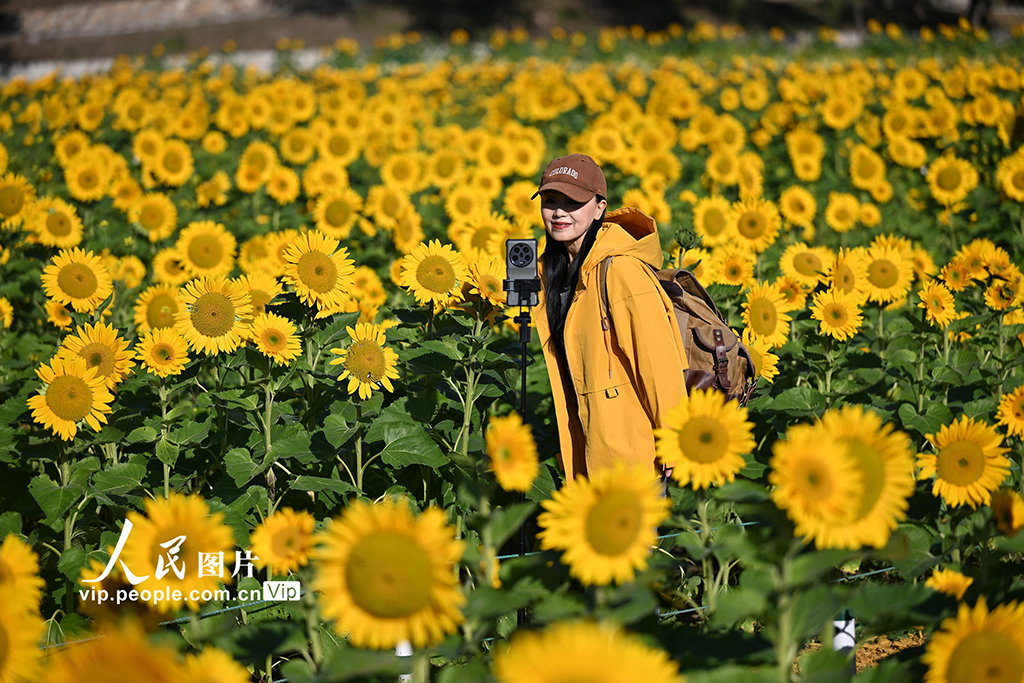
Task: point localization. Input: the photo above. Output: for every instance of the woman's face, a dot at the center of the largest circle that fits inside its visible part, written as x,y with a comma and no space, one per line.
567,220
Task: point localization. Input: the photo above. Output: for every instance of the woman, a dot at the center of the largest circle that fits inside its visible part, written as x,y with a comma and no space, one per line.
612,382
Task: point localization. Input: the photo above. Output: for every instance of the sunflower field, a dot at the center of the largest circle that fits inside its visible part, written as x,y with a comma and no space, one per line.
253,330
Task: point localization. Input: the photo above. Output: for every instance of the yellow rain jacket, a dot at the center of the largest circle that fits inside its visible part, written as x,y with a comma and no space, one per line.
619,383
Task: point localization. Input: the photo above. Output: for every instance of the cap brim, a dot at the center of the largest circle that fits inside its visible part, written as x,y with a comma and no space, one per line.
574,192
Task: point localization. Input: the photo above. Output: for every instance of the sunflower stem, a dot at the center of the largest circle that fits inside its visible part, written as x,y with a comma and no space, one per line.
268,401
785,645
359,447
313,626
421,667
707,564
162,388
881,331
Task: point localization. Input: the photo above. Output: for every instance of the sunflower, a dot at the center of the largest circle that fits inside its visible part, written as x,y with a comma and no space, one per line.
78,278
513,452
336,212
275,337
207,249
1011,177
1010,413
487,281
20,632
385,204
57,314
968,464
848,273
367,362
1008,511
433,273
283,541
957,274
582,651
340,145
951,179
120,653
842,211
867,168
804,263
798,206
320,272
704,439
884,460
949,582
156,214
163,352
978,645
815,480
838,314
16,198
937,301
889,274
73,392
408,233
101,348
156,307
763,315
484,232
386,576
173,165
262,288
283,185
605,525
6,312
464,201
732,265
215,316
20,583
754,223
404,171
324,175
213,665
56,223
765,362
200,530
169,267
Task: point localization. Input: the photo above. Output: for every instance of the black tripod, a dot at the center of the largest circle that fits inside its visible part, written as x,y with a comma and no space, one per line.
522,292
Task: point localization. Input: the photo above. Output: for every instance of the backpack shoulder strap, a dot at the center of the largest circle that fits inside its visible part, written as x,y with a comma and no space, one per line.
602,286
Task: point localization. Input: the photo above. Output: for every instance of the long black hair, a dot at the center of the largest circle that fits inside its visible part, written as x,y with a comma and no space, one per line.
560,277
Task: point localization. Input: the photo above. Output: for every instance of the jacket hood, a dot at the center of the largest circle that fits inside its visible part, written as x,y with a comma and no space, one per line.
626,231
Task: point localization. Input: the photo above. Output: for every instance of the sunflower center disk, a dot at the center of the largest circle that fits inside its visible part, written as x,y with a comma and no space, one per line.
151,218
365,361
703,439
173,162
961,463
338,213
872,466
11,201
764,317
213,314
807,264
274,340
162,353
161,310
77,280
436,274
206,251
883,274
837,314
389,575
613,522
317,271
69,397
99,356
714,222
987,657
284,542
752,225
58,224
948,179
1017,180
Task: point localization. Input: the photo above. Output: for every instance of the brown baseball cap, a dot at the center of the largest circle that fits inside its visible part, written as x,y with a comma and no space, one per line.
575,175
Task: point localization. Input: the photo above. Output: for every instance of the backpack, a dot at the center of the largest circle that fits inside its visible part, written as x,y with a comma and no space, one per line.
717,358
